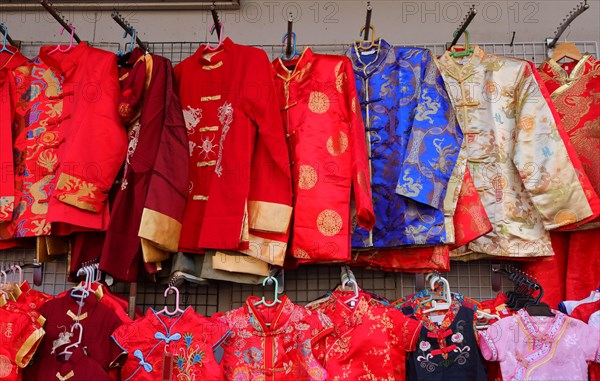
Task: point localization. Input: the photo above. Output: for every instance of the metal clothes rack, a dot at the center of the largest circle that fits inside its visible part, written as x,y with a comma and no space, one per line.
4,30
129,30
463,25
576,12
60,18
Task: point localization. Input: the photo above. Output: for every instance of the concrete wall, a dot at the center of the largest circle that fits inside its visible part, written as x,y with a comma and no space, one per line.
322,22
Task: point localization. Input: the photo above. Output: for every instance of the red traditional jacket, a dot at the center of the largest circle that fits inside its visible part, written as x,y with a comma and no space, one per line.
189,340
240,188
328,151
273,343
8,93
98,322
68,144
148,209
369,342
574,90
20,339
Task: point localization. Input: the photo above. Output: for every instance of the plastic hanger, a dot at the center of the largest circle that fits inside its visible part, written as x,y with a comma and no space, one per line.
446,295
67,351
487,317
81,290
351,301
538,308
221,35
567,50
465,50
58,47
276,295
131,42
294,50
177,310
15,268
4,39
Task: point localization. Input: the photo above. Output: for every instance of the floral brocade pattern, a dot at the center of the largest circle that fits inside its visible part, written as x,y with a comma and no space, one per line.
413,141
280,351
575,94
515,154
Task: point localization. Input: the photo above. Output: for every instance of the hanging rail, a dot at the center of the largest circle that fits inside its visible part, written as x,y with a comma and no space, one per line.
60,18
290,32
576,12
123,23
464,25
4,30
216,22
368,21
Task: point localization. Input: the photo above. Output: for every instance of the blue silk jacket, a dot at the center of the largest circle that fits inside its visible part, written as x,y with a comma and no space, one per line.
413,141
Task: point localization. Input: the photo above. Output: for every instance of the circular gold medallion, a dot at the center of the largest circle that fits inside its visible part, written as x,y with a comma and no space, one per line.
329,222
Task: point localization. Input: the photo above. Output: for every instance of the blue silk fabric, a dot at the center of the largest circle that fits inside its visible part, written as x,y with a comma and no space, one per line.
413,140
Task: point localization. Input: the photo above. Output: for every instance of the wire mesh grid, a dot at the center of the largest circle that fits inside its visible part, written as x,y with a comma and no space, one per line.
532,51
307,283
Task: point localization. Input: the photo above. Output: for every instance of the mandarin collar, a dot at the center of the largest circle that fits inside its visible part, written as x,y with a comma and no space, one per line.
364,68
282,314
346,314
63,62
303,64
471,62
205,55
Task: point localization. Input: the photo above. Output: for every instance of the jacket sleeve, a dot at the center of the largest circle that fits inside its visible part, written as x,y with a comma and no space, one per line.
7,169
541,158
270,198
361,176
434,142
166,199
97,143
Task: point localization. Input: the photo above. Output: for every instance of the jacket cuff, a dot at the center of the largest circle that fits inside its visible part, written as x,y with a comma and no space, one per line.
79,193
163,231
269,217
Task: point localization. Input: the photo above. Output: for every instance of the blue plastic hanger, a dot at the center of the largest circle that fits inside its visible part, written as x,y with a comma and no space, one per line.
133,33
4,38
294,51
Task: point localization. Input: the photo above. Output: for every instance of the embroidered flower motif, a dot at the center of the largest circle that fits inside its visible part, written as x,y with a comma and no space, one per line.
424,346
225,114
187,338
457,338
192,117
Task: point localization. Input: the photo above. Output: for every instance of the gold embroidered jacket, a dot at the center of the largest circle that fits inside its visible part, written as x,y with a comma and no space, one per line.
517,158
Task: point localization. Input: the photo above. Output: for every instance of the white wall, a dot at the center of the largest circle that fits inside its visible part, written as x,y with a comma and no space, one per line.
321,22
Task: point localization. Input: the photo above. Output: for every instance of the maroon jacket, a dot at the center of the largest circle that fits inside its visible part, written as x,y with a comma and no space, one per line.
148,209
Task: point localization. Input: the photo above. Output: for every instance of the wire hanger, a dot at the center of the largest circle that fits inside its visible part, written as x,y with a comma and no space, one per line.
216,26
177,310
276,299
58,46
4,29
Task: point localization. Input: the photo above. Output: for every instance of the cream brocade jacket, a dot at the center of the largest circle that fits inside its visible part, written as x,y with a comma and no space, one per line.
519,163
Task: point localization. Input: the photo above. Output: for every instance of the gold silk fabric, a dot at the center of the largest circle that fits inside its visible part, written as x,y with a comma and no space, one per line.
515,154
